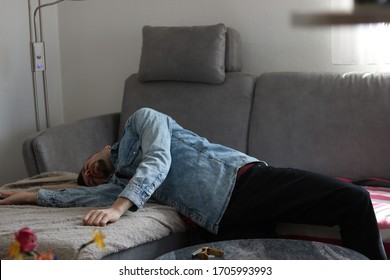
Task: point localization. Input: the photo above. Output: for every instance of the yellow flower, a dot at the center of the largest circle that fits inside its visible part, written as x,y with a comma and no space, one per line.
14,251
98,238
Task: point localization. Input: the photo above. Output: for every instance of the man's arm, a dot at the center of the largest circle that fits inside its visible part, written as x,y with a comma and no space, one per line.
99,217
19,198
153,132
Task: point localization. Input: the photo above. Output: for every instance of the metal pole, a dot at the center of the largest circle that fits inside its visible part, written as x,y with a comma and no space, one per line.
44,79
34,38
37,12
34,76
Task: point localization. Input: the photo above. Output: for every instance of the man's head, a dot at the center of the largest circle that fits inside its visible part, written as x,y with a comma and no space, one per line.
96,169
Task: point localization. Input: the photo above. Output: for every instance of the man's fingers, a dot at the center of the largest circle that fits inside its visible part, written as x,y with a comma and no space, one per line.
87,218
6,193
90,218
95,218
9,198
98,221
104,221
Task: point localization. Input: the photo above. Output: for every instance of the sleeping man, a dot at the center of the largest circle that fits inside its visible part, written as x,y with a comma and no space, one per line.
221,190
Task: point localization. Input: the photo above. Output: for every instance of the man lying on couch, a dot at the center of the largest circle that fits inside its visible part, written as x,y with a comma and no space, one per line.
216,187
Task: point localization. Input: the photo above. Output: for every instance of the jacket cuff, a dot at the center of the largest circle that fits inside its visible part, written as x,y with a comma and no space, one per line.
43,198
136,195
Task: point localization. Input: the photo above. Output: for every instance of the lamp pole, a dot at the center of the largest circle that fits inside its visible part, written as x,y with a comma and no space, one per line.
38,58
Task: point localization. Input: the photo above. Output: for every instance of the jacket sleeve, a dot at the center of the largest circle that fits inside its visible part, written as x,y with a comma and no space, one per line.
99,196
154,131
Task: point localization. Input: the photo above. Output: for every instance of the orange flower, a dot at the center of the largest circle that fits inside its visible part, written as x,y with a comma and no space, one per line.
46,255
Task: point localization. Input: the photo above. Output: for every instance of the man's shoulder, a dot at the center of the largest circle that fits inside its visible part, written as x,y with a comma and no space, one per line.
145,111
148,117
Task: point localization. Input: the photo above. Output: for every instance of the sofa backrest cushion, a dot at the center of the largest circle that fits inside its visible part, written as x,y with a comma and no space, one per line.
190,54
337,124
233,52
193,74
218,112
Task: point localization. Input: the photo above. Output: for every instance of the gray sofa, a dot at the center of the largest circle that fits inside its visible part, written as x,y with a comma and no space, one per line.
334,123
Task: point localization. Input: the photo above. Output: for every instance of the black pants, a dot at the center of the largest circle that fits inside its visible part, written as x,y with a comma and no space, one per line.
265,195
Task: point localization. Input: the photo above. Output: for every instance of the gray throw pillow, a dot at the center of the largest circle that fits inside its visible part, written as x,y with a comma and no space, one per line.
191,54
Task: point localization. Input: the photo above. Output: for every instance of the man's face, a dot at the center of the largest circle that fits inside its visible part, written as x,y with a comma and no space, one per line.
95,171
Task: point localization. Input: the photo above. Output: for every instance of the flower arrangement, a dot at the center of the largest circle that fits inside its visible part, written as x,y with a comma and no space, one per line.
25,244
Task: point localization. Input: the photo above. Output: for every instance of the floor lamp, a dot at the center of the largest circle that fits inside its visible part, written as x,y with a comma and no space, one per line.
38,58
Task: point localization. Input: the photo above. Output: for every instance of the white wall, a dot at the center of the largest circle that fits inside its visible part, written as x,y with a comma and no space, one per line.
99,41
17,119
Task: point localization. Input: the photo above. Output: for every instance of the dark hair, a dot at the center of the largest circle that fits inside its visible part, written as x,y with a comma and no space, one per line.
80,179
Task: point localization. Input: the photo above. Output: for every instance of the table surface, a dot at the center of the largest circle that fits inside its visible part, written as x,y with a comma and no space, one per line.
270,249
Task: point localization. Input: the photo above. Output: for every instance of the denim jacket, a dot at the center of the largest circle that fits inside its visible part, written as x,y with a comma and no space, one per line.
166,162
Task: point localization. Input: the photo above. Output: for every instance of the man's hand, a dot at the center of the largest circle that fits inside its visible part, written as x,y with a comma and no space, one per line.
19,198
101,217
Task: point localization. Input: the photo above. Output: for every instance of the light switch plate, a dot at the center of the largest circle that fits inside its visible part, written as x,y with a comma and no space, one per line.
38,56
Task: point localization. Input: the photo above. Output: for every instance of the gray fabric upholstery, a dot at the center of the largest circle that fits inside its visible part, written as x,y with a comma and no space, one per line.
153,249
191,54
29,156
66,147
218,112
233,53
325,122
330,123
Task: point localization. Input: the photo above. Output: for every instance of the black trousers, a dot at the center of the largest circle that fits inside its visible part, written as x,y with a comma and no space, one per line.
266,195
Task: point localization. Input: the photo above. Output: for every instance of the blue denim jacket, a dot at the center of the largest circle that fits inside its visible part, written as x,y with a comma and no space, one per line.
164,160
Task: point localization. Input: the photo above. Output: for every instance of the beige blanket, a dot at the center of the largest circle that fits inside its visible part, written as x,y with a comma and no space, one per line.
61,229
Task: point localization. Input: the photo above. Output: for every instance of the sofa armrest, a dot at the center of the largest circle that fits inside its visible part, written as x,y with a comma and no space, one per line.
65,147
